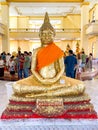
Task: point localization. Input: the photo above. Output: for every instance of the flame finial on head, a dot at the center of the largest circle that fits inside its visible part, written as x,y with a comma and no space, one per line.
47,24
46,19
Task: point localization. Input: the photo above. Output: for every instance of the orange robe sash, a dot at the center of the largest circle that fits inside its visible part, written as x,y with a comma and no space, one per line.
48,55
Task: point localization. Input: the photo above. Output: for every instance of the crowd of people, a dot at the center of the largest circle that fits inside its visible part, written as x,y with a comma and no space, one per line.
76,64
21,64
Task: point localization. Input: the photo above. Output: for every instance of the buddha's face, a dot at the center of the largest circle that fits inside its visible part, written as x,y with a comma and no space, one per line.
46,36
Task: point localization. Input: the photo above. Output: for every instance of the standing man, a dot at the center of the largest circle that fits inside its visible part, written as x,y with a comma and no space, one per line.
70,64
26,65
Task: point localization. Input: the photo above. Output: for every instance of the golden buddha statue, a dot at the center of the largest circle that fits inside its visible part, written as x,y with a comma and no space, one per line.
48,69
48,93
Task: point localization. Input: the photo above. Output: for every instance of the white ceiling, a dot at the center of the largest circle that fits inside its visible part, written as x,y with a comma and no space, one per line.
37,9
2,0
33,9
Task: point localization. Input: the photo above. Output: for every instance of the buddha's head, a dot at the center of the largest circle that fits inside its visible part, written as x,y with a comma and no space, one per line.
47,32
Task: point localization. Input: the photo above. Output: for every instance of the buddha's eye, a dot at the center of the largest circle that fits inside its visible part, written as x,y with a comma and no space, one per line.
44,34
50,34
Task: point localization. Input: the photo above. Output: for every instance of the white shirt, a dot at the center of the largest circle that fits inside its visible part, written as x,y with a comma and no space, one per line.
1,63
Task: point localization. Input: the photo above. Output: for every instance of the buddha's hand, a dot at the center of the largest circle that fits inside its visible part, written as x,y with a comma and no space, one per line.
43,80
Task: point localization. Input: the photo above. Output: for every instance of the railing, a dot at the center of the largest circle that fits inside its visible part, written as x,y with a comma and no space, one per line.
92,28
65,30
93,22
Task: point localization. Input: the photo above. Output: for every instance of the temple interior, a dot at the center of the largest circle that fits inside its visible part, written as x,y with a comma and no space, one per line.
76,26
74,22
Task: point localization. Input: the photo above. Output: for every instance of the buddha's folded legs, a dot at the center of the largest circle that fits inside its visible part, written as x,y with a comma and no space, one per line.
60,92
30,87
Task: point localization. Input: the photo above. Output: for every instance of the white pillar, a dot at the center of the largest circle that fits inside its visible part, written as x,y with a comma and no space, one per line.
96,12
5,21
84,22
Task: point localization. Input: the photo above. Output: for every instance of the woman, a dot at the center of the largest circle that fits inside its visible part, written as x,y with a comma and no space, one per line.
89,63
11,66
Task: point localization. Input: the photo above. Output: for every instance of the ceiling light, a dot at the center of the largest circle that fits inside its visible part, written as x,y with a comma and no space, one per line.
44,8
